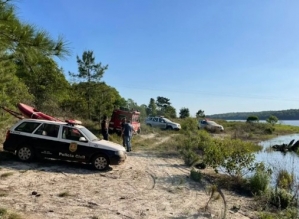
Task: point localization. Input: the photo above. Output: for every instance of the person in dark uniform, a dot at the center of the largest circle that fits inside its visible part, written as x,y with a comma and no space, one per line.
127,132
105,128
123,123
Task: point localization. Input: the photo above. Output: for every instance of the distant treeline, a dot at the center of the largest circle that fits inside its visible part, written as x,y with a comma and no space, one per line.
291,114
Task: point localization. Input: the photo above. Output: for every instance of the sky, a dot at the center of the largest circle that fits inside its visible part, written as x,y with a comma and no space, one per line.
216,56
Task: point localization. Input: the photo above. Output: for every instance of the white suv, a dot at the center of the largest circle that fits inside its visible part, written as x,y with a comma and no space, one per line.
61,140
162,123
210,125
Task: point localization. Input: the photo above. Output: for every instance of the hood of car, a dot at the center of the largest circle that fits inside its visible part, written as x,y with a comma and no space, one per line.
219,126
108,145
174,123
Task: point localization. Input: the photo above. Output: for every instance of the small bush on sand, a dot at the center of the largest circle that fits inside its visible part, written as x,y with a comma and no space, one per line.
259,182
195,175
3,212
281,198
189,124
289,213
4,175
233,157
64,194
285,180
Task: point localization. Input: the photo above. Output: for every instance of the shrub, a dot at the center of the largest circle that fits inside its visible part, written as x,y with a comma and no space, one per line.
266,215
189,124
192,145
269,130
3,212
281,198
259,182
284,180
64,194
252,118
195,175
233,156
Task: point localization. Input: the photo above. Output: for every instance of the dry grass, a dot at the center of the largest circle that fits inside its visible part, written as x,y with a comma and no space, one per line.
5,175
64,194
4,214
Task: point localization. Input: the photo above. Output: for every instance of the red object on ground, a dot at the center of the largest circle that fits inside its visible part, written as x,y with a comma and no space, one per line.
33,113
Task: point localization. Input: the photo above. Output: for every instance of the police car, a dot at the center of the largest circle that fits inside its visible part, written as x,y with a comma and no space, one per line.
31,138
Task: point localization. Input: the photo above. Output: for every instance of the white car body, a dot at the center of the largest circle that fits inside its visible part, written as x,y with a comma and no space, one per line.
209,125
163,123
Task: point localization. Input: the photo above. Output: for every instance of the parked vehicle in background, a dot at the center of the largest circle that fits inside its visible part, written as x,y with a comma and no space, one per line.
117,117
209,125
161,122
30,138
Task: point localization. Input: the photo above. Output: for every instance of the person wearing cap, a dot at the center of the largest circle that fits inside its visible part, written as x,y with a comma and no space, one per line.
105,128
127,132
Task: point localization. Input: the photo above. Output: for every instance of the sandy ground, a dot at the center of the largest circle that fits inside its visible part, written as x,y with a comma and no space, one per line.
145,186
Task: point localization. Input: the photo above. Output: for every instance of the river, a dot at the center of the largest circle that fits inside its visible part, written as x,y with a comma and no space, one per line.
277,160
283,122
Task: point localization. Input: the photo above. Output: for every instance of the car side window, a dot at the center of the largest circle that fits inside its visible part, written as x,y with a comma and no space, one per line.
27,127
50,130
71,134
155,119
161,120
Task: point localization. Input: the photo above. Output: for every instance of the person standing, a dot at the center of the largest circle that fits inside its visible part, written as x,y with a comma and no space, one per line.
105,128
127,132
124,121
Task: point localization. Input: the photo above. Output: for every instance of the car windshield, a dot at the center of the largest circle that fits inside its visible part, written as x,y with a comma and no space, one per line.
88,134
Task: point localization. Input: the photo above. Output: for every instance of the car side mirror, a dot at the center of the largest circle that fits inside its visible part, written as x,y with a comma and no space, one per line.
82,139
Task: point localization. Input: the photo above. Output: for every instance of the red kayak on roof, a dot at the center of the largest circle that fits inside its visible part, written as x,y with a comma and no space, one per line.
33,113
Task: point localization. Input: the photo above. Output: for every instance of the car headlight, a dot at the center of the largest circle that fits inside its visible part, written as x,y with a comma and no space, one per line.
120,153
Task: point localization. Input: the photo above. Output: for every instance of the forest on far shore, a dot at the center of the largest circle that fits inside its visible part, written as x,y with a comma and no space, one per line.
290,114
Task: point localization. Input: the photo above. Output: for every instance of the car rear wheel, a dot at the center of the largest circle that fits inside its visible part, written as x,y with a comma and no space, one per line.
25,153
100,162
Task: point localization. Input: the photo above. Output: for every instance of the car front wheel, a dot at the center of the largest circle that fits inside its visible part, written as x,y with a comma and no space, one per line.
169,128
100,162
25,153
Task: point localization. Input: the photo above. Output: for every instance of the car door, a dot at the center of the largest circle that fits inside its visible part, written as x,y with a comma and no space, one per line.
45,138
70,146
162,123
155,122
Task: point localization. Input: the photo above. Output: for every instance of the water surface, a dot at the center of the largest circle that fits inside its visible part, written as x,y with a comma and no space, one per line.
278,160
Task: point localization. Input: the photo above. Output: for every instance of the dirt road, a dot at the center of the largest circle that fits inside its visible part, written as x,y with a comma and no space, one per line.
145,186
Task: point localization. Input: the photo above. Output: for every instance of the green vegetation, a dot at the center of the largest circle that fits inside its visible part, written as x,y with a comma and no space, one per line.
184,113
4,214
30,74
4,175
252,118
291,114
195,175
272,120
233,154
200,114
259,182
